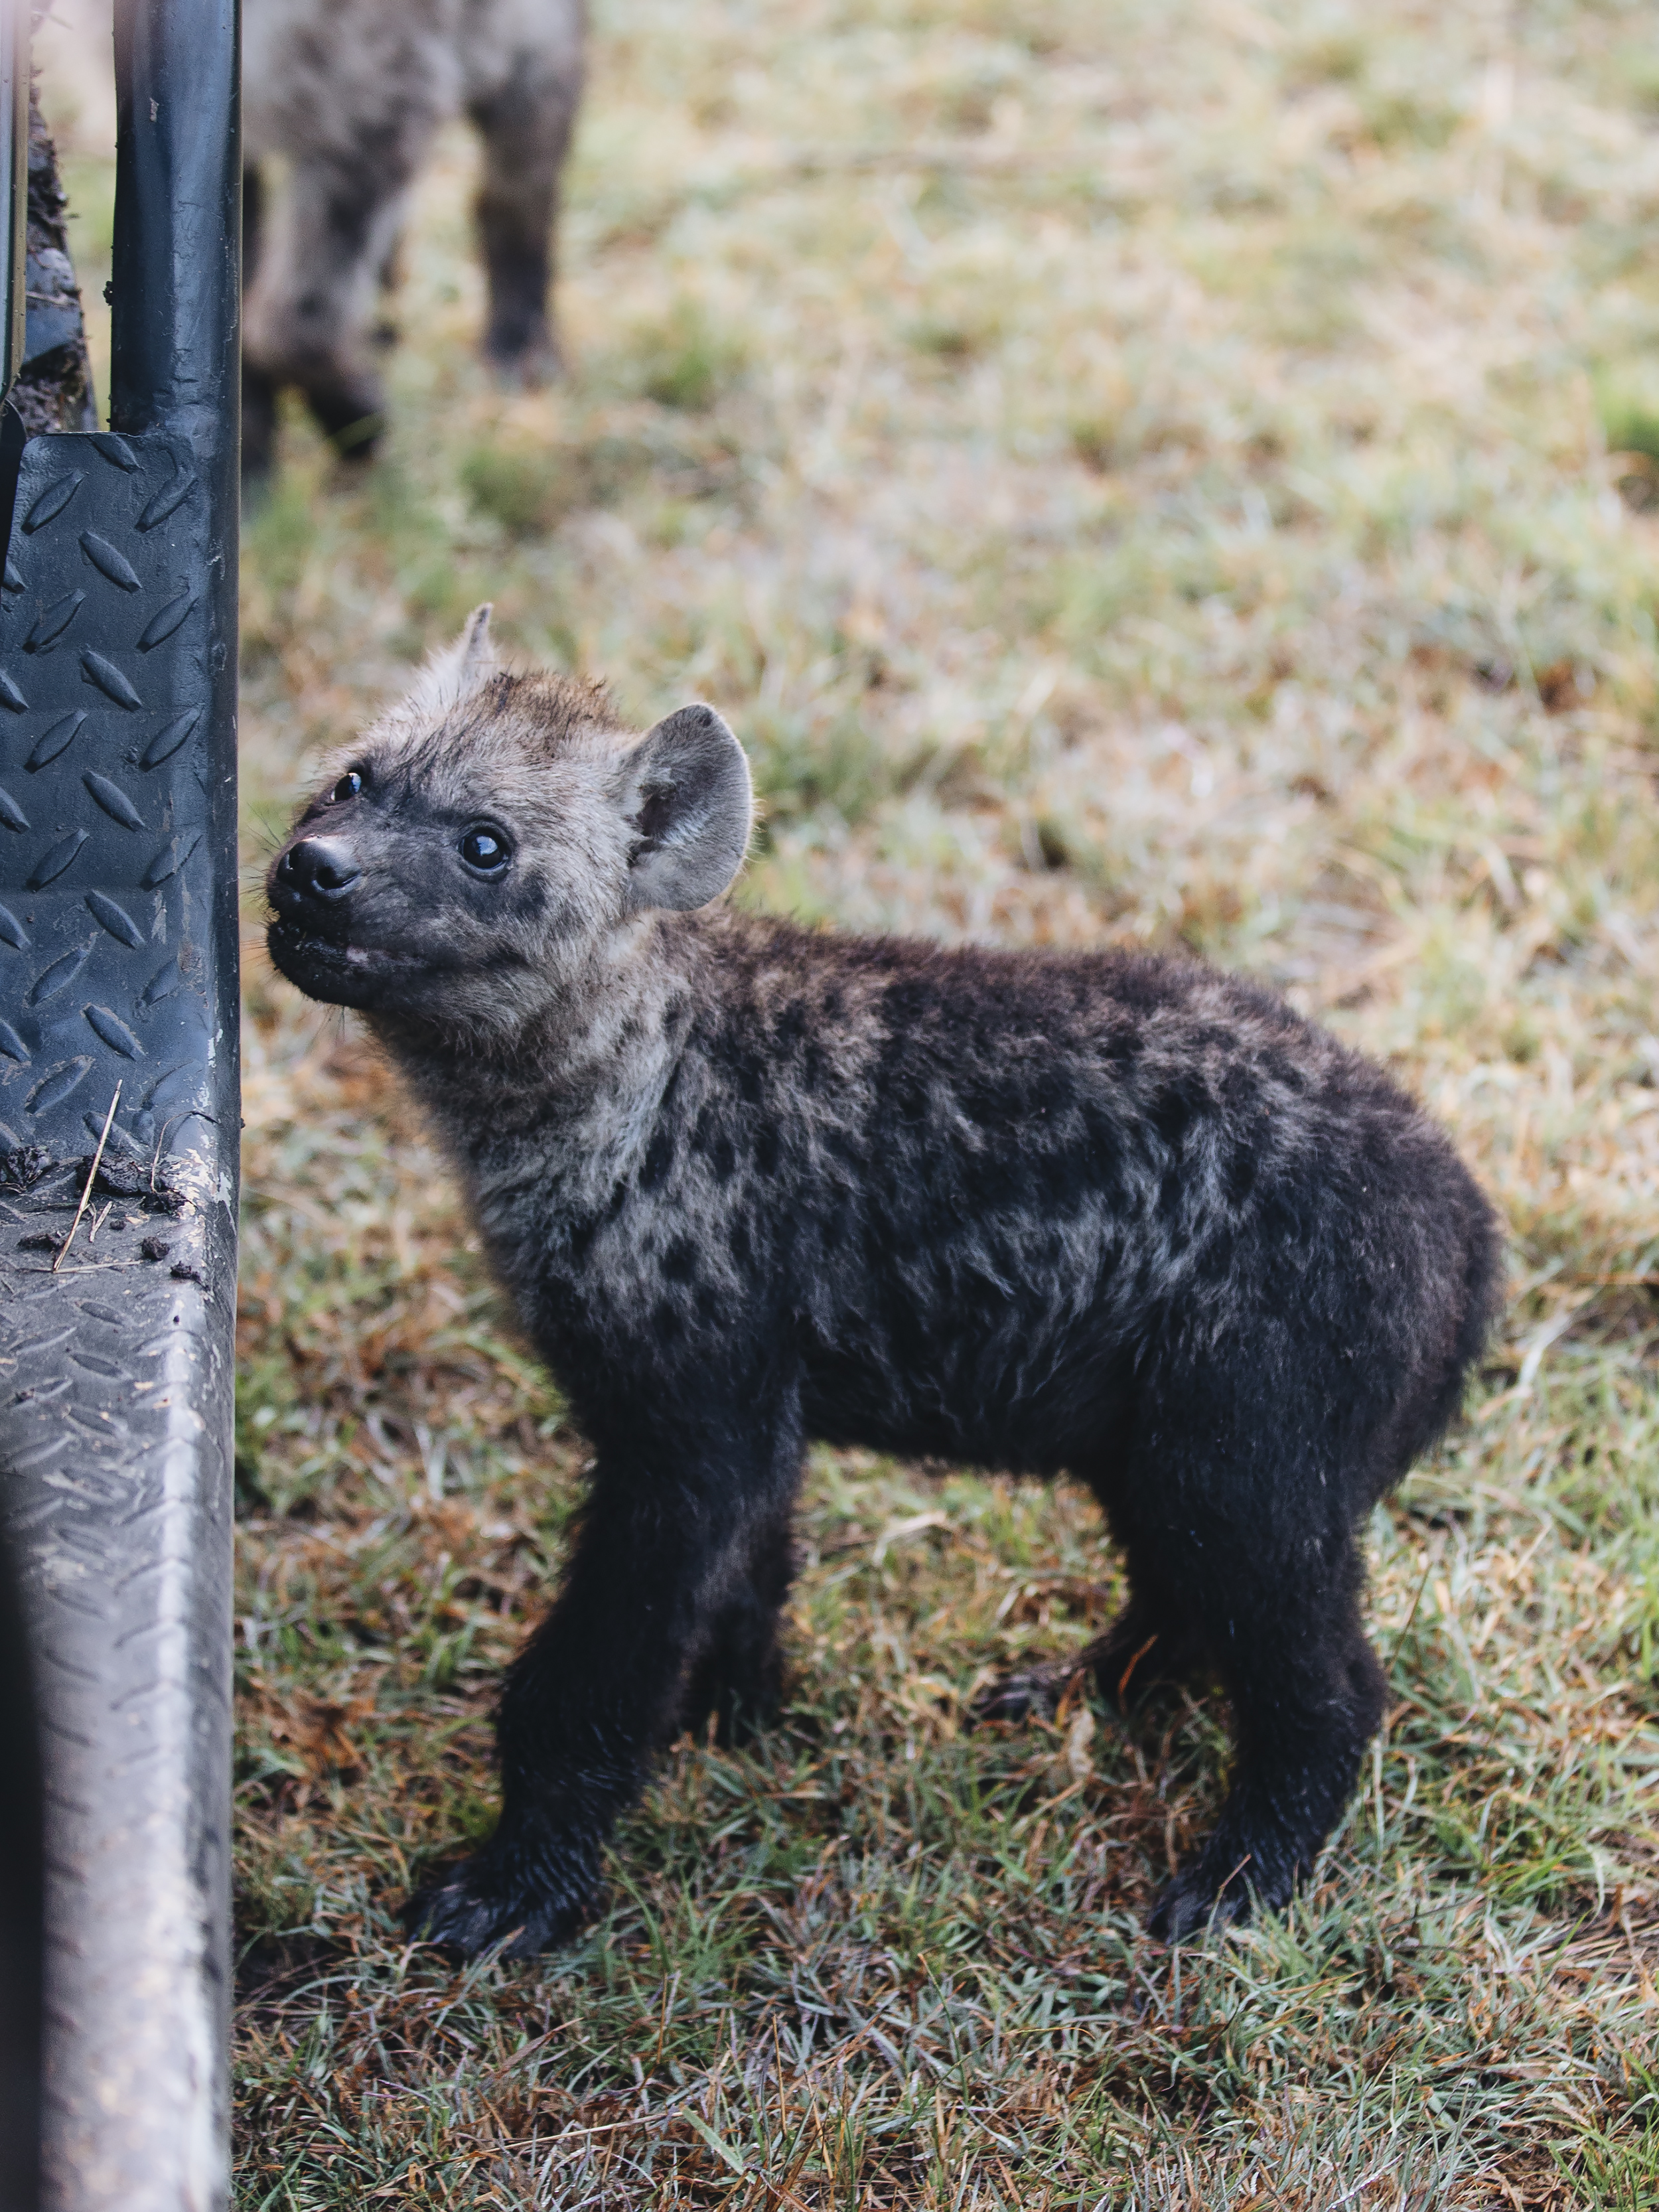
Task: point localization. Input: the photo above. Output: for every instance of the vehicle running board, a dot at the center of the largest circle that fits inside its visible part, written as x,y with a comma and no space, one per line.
119,1147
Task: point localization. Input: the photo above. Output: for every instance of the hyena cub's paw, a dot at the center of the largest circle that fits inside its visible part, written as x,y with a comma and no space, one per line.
1028,1693
1190,1907
1208,1895
743,1704
1132,1657
491,1902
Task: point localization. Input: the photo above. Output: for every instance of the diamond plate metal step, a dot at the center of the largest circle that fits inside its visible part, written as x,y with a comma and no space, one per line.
116,981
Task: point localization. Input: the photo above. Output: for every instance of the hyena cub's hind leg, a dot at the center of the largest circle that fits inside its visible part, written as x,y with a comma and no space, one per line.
1307,1694
737,1677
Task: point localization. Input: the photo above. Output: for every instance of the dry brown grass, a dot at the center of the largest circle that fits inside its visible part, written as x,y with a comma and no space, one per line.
1179,474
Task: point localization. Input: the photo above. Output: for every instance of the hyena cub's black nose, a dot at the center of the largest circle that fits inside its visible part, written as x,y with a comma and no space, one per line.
318,869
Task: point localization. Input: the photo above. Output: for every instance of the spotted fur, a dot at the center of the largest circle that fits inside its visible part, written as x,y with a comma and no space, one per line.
349,96
1120,1218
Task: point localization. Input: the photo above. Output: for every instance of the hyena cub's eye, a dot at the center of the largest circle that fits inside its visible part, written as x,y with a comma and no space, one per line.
347,787
486,850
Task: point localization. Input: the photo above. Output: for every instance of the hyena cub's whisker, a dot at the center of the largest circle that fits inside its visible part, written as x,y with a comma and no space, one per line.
1103,1215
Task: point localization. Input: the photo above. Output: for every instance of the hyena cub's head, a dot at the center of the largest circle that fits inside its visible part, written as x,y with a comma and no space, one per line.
491,839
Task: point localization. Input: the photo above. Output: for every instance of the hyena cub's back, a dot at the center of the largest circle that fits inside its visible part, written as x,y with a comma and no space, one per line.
1106,1214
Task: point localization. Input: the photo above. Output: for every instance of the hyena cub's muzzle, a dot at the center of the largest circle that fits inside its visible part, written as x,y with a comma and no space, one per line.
316,890
311,888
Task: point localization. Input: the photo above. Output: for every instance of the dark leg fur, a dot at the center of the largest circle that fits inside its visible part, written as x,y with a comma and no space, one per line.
668,1534
1308,1696
1239,1526
526,133
349,409
304,324
329,361
739,1676
1237,1531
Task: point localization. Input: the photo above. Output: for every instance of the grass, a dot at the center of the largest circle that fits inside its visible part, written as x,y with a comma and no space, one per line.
1177,474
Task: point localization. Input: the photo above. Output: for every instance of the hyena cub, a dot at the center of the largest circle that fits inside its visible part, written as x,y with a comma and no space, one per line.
1098,1214
350,95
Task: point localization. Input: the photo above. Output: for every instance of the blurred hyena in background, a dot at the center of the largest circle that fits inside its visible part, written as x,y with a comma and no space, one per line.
350,95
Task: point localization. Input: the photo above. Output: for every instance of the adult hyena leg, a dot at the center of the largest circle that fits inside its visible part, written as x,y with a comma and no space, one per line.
738,1676
308,312
1308,1695
670,1523
525,127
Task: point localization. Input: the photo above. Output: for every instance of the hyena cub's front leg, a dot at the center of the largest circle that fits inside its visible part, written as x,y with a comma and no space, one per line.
596,1691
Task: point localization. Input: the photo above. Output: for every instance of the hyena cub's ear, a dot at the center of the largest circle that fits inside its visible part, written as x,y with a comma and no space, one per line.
451,673
686,794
